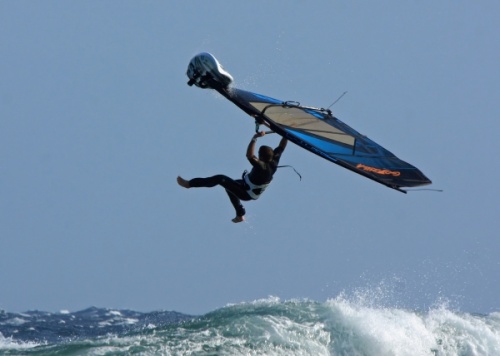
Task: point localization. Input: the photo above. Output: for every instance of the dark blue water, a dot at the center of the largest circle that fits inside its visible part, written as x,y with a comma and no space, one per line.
30,330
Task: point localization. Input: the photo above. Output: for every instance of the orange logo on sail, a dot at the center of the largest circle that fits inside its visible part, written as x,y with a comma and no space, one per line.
378,170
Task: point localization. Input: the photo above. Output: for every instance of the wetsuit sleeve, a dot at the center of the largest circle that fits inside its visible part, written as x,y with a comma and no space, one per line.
279,150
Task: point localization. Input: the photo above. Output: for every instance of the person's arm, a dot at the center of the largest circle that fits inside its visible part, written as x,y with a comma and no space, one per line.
282,144
279,150
251,146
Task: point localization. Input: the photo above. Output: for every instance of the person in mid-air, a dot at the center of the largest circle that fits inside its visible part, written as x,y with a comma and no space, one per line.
252,184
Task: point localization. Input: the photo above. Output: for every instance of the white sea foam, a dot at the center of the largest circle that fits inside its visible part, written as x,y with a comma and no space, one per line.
15,321
8,343
391,331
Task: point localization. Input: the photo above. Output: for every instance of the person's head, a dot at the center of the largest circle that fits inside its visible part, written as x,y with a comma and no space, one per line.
266,153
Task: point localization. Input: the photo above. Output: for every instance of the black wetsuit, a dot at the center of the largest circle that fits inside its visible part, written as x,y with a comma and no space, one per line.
237,190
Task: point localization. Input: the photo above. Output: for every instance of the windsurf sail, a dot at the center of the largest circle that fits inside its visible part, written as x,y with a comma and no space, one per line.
314,129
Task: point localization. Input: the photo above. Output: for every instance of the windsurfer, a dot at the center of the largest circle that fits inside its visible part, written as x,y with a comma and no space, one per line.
252,184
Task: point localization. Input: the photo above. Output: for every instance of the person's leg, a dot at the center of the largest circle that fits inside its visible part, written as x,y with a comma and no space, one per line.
238,207
234,189
236,192
182,182
208,182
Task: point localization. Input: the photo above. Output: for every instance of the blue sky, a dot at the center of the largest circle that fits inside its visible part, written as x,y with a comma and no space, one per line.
96,122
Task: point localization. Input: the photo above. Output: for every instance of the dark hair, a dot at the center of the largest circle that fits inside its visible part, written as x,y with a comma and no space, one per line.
266,153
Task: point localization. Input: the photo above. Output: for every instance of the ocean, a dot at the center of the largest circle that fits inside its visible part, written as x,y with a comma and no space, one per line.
271,326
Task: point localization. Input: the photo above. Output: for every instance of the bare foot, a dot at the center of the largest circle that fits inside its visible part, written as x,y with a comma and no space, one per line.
182,182
238,219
